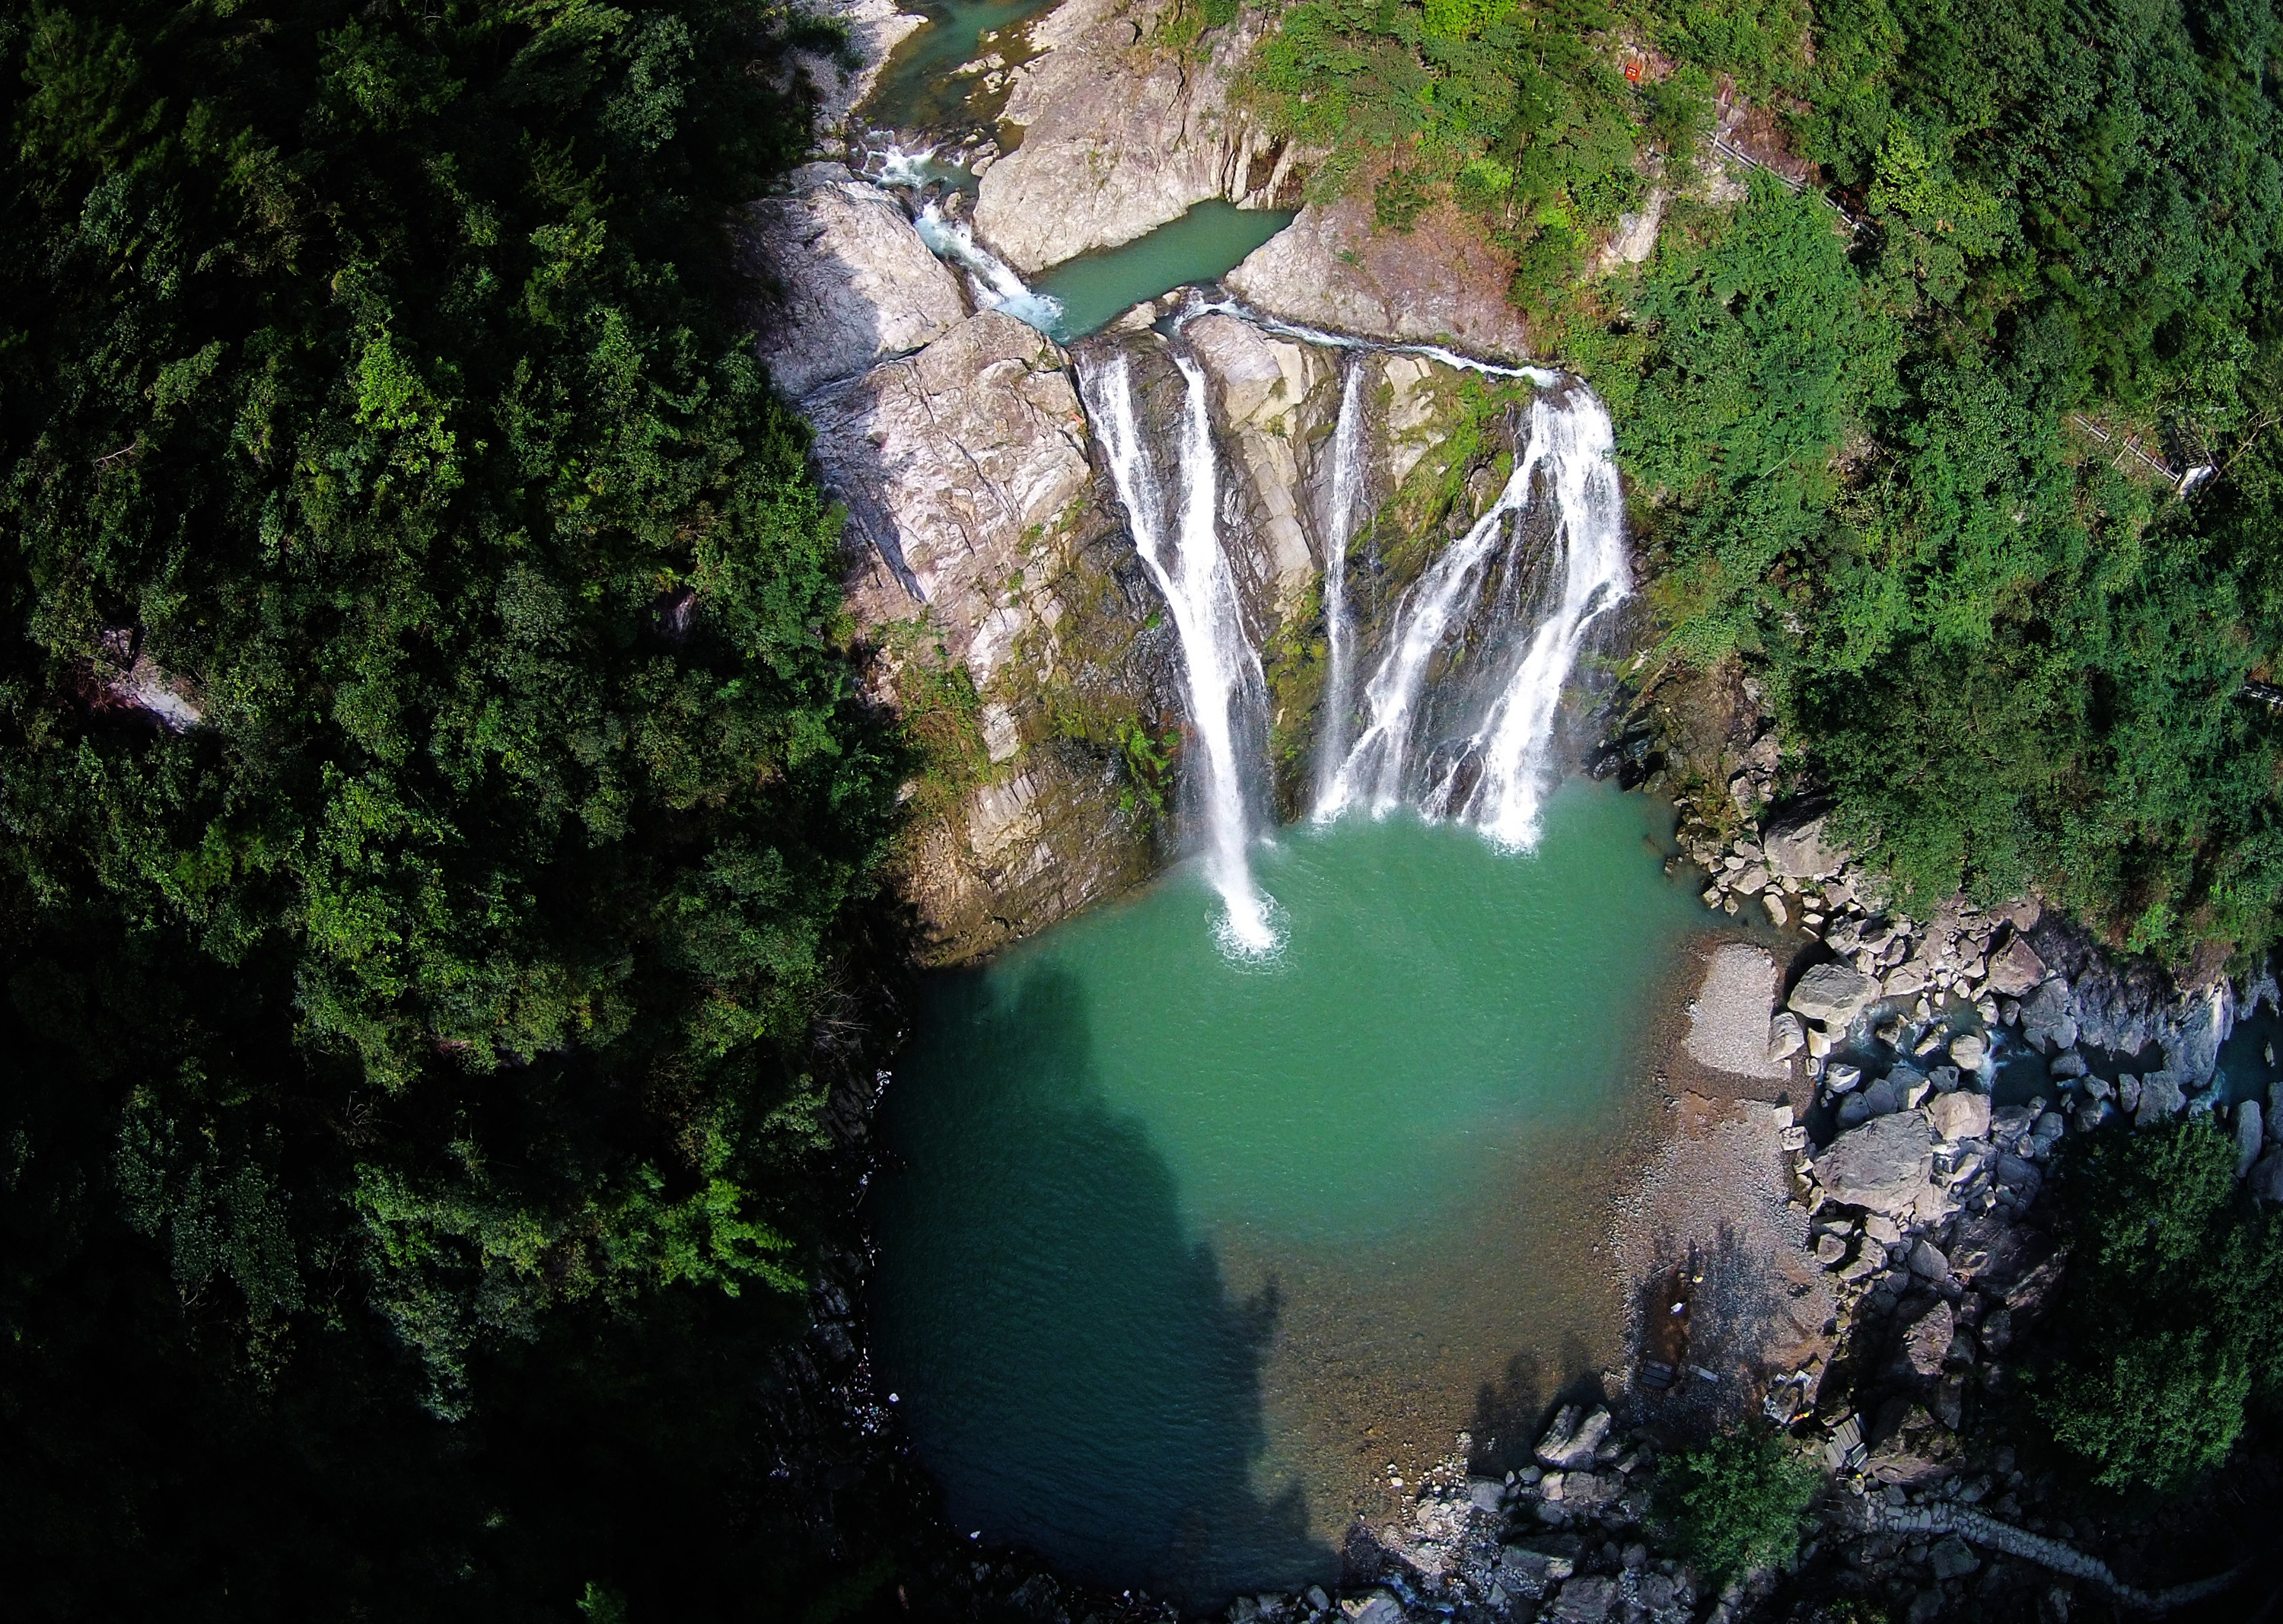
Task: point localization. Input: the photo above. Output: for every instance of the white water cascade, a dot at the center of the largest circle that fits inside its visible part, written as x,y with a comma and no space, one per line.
1339,530
1220,667
990,278
1571,440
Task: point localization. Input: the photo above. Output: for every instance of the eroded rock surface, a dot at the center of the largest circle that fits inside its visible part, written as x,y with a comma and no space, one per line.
1439,283
981,537
1121,135
844,280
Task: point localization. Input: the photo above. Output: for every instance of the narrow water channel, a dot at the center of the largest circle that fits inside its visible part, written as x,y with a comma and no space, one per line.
1180,1254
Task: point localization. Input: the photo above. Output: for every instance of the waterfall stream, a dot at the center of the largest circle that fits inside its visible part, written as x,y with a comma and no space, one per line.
1495,778
1177,535
1339,622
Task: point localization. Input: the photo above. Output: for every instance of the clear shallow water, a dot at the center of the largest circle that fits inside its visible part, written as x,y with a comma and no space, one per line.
919,88
1203,246
1183,1253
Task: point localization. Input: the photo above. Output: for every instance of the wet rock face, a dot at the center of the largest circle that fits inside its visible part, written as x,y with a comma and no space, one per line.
980,537
1439,283
844,280
956,465
1120,137
1272,402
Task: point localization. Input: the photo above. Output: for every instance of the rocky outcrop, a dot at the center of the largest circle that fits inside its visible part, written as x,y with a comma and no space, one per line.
1439,283
1121,135
980,539
1273,401
843,280
959,466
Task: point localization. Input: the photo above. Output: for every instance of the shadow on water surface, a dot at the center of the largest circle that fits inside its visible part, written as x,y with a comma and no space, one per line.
1511,1414
1069,1363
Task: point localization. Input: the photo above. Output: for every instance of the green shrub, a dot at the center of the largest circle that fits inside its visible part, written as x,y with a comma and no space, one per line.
2168,1327
1735,1504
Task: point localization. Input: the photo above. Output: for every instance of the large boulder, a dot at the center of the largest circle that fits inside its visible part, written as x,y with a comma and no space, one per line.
1728,1024
2266,1175
1802,849
1120,137
1833,995
2014,969
844,280
1440,282
1882,1165
1960,1114
1922,1341
2249,1136
1574,1438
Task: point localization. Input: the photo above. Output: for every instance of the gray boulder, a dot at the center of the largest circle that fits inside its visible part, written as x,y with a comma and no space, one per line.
2267,1174
1833,995
2045,1019
1960,1114
1587,1599
1952,1558
2015,969
844,281
2248,1136
1882,1165
1969,1049
1574,1439
1439,282
2161,1098
1803,850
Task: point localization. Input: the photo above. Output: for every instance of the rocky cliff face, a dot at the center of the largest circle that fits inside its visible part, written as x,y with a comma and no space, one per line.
1120,135
1437,283
842,280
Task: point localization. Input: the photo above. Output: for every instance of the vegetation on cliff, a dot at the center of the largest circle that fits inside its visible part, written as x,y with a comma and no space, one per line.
1887,466
432,802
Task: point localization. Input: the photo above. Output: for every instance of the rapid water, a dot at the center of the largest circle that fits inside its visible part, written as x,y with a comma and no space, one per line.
1339,622
1178,1255
1177,533
1496,778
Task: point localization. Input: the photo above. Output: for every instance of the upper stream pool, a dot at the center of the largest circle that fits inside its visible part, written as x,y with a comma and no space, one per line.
1180,1256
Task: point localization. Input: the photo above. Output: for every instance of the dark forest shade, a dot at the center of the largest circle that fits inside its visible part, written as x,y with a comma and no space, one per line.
431,804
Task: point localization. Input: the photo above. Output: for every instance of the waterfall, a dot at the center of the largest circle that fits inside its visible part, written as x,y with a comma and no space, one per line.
1570,440
1179,545
1577,444
991,279
1339,530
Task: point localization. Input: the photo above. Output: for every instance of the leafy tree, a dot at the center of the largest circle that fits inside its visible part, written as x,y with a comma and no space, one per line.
1735,1504
2170,1324
435,812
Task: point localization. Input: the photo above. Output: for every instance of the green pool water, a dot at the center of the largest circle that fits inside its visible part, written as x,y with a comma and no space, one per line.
1203,246
1178,1255
918,88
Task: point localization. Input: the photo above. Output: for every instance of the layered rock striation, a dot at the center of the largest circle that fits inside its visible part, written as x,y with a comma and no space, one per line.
1121,133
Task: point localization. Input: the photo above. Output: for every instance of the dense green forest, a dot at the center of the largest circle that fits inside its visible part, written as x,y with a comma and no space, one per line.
1856,452
433,801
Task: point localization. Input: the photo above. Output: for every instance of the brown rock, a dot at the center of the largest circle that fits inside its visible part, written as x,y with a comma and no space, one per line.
1439,283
